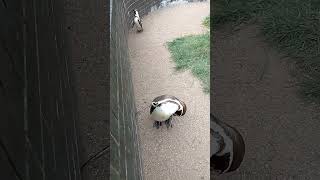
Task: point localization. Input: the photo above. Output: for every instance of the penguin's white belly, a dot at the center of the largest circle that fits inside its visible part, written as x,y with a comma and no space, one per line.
159,115
136,22
164,112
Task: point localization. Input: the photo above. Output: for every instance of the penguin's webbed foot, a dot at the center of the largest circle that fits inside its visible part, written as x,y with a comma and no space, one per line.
168,123
157,124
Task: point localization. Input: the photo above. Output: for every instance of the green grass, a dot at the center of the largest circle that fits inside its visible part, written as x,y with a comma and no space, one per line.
206,22
192,52
292,26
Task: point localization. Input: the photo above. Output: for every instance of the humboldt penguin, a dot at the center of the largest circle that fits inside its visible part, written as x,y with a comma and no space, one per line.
164,107
137,21
227,147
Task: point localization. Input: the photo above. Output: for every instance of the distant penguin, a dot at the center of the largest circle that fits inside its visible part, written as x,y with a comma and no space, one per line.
164,107
227,147
137,21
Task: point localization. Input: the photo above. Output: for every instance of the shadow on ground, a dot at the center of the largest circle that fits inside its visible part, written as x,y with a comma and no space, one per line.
253,91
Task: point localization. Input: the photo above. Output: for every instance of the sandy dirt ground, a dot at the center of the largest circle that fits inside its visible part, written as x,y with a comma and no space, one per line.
182,152
254,92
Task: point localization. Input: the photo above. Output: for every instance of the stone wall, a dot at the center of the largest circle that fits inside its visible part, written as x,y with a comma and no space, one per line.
86,24
38,138
125,156
125,160
53,90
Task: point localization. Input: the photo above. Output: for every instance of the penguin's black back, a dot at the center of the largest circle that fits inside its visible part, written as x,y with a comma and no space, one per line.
159,98
220,162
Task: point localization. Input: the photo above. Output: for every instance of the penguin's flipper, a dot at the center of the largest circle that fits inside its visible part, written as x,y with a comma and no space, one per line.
151,109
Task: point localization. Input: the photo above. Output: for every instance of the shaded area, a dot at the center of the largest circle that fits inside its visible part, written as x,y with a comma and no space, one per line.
253,91
88,37
290,26
38,113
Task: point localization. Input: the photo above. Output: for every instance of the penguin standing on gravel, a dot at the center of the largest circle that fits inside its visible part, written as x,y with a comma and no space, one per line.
227,147
164,107
137,21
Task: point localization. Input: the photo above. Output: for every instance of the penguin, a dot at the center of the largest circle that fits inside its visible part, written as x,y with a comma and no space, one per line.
164,107
137,21
227,147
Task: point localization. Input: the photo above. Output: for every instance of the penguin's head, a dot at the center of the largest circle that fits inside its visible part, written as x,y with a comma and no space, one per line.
155,104
182,110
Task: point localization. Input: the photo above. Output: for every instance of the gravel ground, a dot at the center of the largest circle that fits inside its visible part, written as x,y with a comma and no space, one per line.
254,92
183,151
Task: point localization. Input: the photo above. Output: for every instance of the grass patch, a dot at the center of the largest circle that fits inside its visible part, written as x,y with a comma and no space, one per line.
292,26
206,22
192,52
